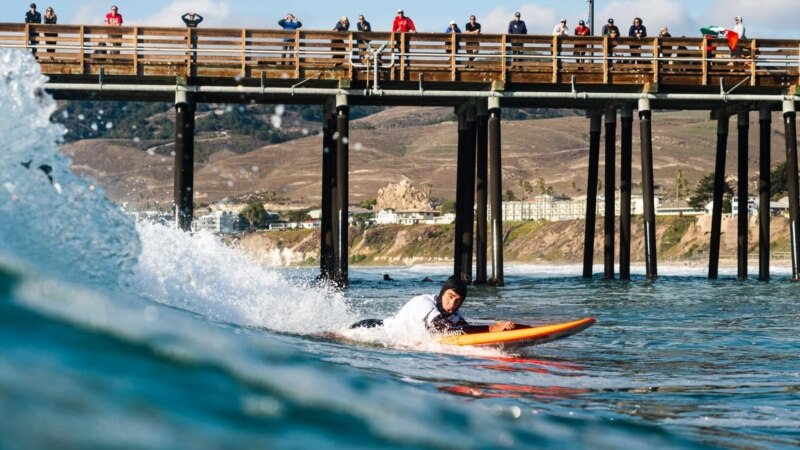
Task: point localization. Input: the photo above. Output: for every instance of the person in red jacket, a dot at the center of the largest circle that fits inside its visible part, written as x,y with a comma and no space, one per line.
403,24
400,26
581,30
114,19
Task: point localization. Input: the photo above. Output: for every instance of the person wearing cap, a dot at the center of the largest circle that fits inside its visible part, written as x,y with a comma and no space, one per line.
517,26
437,313
452,28
33,16
472,27
581,30
561,29
400,26
610,28
403,24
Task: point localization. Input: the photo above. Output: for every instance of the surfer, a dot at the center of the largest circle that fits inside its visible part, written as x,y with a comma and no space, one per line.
438,313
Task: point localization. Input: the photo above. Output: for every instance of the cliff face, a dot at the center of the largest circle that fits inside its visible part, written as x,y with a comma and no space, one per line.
677,238
402,196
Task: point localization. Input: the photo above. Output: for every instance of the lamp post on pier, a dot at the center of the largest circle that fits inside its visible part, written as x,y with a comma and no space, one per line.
591,16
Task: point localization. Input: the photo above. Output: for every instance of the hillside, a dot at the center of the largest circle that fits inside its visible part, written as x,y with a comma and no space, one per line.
396,143
683,240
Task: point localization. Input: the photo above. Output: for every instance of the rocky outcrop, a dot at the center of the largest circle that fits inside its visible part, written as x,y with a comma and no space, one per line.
403,196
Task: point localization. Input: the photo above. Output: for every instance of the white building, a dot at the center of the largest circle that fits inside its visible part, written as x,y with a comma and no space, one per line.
677,208
392,217
752,206
558,208
225,222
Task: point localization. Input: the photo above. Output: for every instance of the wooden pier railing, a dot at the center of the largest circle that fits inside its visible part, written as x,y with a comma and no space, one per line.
434,57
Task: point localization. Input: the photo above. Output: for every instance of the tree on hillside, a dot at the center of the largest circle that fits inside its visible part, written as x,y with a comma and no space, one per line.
447,206
540,186
704,191
368,203
255,215
681,185
297,215
778,187
508,196
549,190
572,185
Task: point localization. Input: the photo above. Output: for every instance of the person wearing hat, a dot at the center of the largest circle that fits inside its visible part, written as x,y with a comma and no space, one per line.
581,30
452,28
400,26
437,313
33,16
610,28
561,29
517,26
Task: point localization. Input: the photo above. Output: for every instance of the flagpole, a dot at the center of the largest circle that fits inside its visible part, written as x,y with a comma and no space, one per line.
591,16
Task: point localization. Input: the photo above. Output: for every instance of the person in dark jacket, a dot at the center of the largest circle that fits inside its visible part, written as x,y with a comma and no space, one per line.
33,16
472,27
363,26
289,23
517,26
192,20
337,45
638,31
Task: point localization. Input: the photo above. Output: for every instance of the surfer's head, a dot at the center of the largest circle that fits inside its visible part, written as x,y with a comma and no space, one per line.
452,295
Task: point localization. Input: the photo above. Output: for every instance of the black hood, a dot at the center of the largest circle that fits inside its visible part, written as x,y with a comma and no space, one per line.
455,283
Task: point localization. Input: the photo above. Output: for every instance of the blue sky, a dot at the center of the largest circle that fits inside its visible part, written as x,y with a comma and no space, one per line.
763,18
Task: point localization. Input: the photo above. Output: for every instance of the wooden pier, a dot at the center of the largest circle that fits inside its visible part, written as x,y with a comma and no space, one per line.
478,75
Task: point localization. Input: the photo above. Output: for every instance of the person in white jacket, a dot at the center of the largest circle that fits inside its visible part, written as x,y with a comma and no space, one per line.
561,29
438,313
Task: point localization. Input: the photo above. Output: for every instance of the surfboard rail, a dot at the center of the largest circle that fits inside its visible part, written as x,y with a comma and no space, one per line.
521,337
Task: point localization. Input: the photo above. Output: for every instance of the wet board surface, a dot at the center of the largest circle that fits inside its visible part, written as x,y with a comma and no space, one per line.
522,337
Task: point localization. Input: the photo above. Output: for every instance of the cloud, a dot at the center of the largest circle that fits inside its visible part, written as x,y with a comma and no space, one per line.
539,20
215,13
90,12
765,18
670,13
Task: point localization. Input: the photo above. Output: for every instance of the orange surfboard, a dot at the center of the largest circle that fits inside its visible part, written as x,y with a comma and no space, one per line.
521,337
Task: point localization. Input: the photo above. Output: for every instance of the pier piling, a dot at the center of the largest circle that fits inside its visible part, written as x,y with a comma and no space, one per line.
465,193
719,180
626,115
648,192
341,224
327,254
595,118
184,160
610,188
790,128
481,191
743,127
495,190
764,194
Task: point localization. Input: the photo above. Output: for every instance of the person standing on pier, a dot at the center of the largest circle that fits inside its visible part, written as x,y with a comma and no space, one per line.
400,27
581,30
289,23
561,29
191,19
638,31
337,46
33,16
50,18
363,27
114,19
517,26
472,27
738,27
452,28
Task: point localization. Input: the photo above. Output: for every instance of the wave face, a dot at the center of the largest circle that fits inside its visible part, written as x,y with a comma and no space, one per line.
52,220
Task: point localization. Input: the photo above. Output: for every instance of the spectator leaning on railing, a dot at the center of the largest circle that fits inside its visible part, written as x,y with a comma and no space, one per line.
50,18
33,16
472,27
581,30
113,18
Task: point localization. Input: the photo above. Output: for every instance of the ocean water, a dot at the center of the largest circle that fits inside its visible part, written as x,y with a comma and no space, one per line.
124,335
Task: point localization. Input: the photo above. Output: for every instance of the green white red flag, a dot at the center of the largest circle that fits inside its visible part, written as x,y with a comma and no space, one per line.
727,33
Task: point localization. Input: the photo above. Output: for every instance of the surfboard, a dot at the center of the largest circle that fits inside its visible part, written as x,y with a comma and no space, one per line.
521,337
